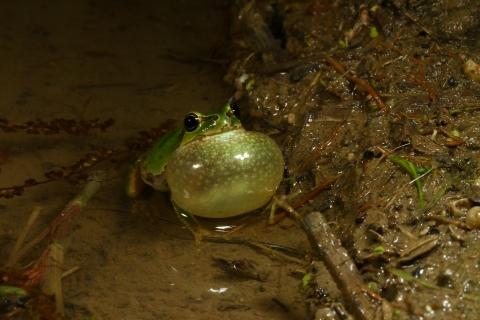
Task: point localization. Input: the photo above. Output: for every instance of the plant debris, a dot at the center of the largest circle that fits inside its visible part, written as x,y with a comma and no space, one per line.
56,126
243,269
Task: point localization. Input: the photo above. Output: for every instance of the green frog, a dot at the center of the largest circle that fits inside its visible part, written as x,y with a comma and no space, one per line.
213,167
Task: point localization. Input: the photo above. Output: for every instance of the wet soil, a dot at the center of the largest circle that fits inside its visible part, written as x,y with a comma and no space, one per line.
379,94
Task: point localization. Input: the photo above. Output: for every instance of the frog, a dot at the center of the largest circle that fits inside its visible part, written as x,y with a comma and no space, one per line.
212,166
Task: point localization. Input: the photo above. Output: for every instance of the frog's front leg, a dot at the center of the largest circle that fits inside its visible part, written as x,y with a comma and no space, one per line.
192,224
135,184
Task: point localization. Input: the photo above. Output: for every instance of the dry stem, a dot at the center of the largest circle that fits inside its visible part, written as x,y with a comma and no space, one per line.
59,227
52,277
14,254
328,248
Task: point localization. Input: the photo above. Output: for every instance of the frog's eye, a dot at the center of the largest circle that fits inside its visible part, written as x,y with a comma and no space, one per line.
191,122
235,109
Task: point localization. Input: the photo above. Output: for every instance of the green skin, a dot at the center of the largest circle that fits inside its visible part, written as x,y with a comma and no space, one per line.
217,170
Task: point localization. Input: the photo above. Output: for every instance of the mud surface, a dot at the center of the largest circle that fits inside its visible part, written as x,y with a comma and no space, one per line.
380,94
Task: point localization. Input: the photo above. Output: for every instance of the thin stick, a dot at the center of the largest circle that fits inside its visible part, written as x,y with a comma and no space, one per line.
14,254
328,248
70,271
444,220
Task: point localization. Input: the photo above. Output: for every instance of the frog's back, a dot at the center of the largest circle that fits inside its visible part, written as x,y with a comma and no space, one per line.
226,174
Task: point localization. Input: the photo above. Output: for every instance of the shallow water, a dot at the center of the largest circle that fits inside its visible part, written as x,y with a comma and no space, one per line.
140,63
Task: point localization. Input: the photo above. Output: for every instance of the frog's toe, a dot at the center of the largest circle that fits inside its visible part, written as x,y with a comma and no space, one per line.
135,183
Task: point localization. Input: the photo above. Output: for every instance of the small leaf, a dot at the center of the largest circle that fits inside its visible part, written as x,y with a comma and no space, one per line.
12,291
307,280
414,172
407,276
373,286
250,84
379,250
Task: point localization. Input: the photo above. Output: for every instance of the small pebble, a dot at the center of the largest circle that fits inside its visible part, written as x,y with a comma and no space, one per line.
473,218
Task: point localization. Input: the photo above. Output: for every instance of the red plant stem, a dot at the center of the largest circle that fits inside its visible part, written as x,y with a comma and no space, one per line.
361,84
59,229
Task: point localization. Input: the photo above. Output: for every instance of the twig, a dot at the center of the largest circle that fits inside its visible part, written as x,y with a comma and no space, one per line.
415,20
444,220
361,84
328,248
14,254
70,271
420,79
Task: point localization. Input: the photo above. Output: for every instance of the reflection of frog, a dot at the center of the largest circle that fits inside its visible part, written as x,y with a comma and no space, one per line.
213,167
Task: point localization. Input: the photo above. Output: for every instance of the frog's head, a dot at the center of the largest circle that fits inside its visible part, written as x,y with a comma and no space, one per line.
197,124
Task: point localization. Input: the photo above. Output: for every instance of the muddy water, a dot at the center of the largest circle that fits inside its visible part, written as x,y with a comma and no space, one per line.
140,63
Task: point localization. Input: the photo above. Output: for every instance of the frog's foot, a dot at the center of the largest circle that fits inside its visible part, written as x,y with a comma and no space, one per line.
281,202
135,184
192,224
